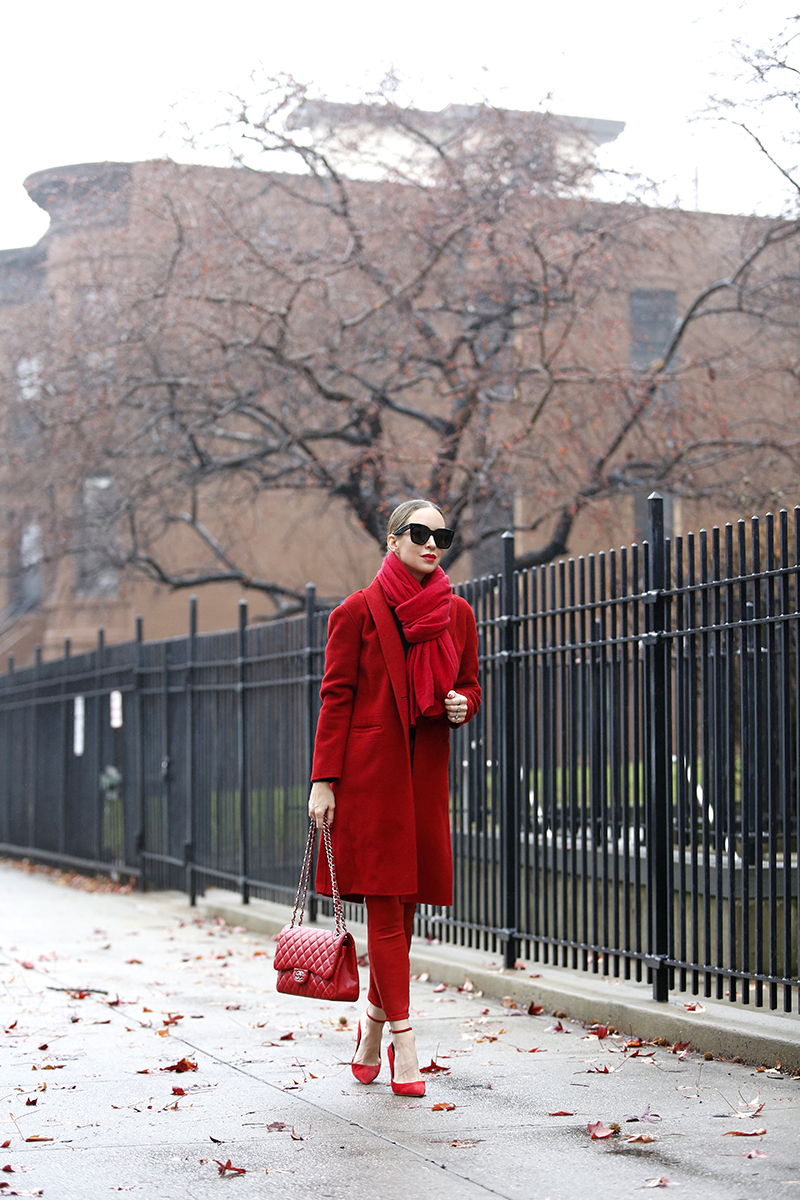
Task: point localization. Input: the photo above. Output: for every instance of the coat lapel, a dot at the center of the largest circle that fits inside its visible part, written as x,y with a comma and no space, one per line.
391,647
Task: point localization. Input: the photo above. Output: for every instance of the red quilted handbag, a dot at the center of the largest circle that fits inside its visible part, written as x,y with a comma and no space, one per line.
319,963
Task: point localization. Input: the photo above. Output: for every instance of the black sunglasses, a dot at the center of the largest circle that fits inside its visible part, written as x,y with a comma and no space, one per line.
419,534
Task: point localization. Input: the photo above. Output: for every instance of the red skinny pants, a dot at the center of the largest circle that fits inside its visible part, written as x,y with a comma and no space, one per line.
389,926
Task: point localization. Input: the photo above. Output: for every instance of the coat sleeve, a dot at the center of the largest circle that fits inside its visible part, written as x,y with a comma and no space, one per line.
337,693
467,678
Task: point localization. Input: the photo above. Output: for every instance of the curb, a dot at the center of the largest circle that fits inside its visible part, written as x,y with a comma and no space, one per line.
727,1031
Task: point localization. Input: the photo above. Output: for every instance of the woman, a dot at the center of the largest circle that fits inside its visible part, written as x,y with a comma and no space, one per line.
401,667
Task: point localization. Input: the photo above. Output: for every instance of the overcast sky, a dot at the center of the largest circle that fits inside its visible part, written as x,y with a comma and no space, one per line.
89,81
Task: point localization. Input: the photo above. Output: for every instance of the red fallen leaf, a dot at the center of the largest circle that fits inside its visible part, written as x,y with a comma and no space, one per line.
562,1112
35,1137
519,965
678,1047
286,1037
662,1181
134,961
599,1031
435,1068
535,1010
232,1007
144,1072
534,1050
32,1100
216,1141
8,1168
13,1025
5,1144
297,1137
176,1091
444,1106
557,1028
113,1003
600,1071
695,1007
755,1153
744,1133
172,1020
183,1064
43,1046
598,1130
440,987
640,1054
29,966
277,1127
77,994
226,1168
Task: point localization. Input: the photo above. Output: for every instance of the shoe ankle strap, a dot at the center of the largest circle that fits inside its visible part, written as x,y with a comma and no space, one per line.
407,1029
377,1020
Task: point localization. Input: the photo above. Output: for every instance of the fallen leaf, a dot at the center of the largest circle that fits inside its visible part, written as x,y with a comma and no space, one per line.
662,1181
287,1037
35,1137
444,1106
134,962
647,1115
43,1046
178,1091
29,966
434,1069
562,1112
599,1031
277,1126
744,1133
32,1100
296,1137
693,1006
598,1130
535,1010
557,1028
183,1064
533,1050
508,1002
5,1144
227,1168
678,1047
232,1007
642,1137
440,987
756,1153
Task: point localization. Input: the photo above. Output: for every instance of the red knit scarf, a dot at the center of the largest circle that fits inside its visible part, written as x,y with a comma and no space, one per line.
423,610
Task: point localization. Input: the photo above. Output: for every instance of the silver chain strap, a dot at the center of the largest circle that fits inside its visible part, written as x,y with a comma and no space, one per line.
305,876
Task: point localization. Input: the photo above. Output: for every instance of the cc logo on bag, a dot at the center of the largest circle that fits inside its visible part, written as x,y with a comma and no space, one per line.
300,976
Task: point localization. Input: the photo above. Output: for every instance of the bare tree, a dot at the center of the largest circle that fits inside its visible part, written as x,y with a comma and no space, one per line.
456,324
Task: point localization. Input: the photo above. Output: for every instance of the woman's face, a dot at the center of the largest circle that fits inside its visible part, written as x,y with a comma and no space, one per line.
420,560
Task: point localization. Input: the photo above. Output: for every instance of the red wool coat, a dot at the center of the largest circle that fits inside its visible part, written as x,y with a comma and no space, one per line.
391,828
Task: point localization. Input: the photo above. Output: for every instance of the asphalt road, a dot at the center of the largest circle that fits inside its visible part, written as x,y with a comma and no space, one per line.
104,997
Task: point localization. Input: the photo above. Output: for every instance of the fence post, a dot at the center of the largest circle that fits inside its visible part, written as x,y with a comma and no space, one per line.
189,846
510,751
241,720
100,806
312,903
659,841
33,781
139,825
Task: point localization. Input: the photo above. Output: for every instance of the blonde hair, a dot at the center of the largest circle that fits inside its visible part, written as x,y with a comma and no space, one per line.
402,513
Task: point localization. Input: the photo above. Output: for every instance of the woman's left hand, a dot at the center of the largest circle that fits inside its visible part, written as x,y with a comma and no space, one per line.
456,708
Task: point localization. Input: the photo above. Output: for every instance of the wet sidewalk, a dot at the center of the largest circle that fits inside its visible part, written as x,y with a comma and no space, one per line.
143,1047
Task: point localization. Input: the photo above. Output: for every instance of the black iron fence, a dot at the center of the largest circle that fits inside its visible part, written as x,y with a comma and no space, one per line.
627,801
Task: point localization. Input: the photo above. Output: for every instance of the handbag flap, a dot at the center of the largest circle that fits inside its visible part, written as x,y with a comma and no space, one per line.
305,949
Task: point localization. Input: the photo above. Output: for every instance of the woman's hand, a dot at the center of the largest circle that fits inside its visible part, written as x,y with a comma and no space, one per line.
321,803
456,708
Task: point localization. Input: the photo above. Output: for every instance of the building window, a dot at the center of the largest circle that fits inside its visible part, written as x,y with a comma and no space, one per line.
653,313
95,574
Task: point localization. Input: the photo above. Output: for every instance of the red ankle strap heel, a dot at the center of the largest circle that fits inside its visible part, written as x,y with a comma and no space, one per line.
417,1088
